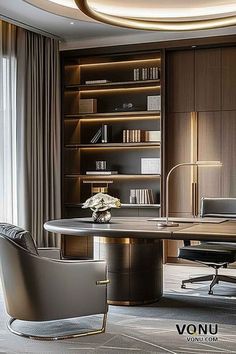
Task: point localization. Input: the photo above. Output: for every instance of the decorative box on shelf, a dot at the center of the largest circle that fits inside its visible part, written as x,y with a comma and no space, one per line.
152,135
88,105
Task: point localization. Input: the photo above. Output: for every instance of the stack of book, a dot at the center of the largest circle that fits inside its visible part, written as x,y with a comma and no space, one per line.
139,135
141,196
146,74
133,135
96,82
101,172
101,135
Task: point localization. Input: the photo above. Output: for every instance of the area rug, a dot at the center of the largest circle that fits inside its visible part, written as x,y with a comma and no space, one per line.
181,322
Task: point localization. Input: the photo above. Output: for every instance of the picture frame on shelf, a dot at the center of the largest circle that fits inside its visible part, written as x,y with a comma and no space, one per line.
150,166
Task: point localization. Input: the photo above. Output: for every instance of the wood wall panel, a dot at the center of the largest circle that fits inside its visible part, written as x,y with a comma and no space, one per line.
229,153
208,79
180,81
74,249
178,150
229,78
209,148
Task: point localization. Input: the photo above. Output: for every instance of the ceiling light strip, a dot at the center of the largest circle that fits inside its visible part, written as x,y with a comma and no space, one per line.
127,22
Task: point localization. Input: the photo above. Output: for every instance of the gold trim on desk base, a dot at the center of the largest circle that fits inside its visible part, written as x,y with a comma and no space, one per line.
126,240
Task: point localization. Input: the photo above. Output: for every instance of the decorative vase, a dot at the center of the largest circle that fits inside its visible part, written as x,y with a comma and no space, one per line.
101,217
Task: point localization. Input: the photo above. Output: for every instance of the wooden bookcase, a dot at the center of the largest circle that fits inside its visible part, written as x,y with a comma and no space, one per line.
121,105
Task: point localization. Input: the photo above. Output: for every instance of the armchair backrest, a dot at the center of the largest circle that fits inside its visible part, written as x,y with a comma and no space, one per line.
19,236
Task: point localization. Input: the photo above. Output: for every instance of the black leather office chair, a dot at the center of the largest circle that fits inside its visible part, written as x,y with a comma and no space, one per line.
41,289
212,254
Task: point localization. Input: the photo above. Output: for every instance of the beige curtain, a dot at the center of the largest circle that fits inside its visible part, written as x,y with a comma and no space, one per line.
38,134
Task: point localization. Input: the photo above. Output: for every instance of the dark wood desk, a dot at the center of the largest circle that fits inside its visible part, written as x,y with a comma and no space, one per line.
133,250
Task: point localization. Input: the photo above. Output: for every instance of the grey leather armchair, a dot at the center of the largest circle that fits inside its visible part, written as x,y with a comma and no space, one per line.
42,289
212,254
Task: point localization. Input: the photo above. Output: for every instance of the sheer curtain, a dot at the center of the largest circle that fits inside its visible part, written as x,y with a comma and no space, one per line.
8,69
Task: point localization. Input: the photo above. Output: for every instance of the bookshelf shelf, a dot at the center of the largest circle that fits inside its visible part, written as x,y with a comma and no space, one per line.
126,114
118,176
123,205
114,145
121,84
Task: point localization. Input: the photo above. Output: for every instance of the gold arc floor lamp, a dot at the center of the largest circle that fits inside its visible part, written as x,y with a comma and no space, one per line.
168,223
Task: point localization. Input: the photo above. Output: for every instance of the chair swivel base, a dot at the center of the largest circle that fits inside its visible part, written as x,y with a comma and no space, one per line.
60,337
214,278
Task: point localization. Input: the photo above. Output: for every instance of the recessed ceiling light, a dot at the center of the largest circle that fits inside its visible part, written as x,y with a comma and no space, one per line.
72,23
165,15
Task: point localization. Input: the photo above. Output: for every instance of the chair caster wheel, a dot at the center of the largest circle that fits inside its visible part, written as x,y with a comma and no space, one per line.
183,286
210,292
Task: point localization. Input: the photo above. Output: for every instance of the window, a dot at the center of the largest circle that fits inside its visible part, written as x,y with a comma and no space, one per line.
8,186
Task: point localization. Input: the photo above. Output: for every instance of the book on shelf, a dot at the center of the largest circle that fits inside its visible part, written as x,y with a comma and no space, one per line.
101,172
141,196
96,136
140,135
104,133
94,82
133,135
101,135
143,74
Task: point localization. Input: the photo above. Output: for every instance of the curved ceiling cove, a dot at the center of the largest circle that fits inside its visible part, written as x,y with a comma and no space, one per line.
64,8
154,15
163,15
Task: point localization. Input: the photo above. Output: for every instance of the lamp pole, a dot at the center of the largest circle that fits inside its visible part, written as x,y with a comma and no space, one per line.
167,223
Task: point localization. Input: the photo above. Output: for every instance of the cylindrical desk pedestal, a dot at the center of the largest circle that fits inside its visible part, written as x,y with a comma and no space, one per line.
134,270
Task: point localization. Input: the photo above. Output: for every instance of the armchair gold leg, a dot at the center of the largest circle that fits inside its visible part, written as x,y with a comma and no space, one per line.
52,338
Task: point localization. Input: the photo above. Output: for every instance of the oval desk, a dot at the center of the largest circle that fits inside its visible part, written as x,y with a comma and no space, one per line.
132,248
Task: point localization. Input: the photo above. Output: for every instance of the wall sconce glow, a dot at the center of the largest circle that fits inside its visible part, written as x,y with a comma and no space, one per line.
168,15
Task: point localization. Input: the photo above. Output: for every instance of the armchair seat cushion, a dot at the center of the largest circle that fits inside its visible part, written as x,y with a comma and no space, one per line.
209,253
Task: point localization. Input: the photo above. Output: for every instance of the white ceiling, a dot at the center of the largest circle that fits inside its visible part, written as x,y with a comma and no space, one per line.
85,32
